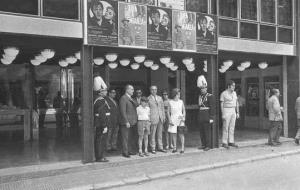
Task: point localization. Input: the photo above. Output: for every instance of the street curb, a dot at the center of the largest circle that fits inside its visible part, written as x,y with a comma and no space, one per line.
166,174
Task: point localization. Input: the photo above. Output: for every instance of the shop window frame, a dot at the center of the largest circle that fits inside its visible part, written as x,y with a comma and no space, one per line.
270,25
24,14
285,27
257,30
240,12
238,26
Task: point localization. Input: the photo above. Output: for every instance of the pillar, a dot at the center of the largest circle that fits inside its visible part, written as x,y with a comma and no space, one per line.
213,87
87,104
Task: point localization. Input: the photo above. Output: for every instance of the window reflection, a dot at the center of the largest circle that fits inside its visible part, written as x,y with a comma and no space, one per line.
285,35
213,7
20,6
268,11
285,16
197,5
248,30
249,9
268,33
67,9
228,28
228,8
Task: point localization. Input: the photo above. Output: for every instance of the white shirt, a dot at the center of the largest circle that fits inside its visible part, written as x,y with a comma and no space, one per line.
229,99
143,113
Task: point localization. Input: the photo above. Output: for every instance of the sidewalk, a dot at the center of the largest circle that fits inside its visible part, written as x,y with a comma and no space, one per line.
122,171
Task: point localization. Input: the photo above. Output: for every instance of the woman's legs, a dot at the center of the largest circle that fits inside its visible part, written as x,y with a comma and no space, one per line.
146,142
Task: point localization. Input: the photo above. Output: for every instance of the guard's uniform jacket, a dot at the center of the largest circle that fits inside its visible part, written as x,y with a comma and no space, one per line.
101,121
206,113
206,107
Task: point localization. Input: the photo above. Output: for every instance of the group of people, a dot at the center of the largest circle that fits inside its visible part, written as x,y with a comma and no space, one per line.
141,120
145,121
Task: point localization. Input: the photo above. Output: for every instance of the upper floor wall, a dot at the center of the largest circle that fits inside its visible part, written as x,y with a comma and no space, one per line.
266,26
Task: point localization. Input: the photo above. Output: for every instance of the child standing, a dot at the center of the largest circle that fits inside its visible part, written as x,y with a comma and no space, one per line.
143,112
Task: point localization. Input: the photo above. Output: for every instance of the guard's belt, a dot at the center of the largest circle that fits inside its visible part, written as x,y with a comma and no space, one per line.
204,108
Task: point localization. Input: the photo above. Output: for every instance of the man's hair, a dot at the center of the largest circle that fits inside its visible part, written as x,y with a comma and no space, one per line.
152,86
155,11
96,3
229,83
274,91
111,89
127,86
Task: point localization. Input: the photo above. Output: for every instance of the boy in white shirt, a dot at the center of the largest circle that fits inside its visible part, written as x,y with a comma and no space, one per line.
143,112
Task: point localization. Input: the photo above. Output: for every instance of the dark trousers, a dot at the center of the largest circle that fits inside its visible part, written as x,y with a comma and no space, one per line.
274,131
100,143
129,143
59,125
42,119
205,134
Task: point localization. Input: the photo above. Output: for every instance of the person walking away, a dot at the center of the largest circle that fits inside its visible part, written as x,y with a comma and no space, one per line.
157,118
128,119
143,113
297,109
101,119
275,118
112,134
206,117
167,120
177,119
58,105
230,112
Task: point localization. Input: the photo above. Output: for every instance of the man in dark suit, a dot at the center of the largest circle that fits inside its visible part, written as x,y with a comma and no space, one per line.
206,117
128,121
112,134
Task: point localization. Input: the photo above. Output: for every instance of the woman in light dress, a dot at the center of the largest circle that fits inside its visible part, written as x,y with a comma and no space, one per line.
177,119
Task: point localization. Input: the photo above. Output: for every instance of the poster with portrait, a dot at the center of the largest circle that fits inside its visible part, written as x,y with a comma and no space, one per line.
146,2
183,31
159,28
102,22
172,4
132,25
206,31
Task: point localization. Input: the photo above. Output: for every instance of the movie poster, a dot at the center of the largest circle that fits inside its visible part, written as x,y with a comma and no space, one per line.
146,2
206,33
159,28
132,25
184,31
102,22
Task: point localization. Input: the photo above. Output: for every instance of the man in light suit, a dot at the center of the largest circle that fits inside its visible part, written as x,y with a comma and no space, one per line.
157,118
128,121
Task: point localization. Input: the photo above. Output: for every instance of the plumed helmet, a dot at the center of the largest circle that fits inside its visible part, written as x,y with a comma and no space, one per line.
201,82
99,84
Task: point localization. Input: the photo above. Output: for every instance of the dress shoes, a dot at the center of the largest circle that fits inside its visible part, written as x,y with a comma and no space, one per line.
201,147
297,141
225,146
126,155
174,151
101,160
153,152
233,145
162,150
206,148
132,153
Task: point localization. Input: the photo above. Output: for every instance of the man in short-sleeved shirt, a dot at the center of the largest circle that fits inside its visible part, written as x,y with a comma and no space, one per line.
230,111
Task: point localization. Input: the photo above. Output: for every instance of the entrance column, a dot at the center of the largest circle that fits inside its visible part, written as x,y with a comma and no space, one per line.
87,104
213,87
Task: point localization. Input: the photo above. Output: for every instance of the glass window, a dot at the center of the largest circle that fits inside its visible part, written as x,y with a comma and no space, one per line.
228,28
267,33
148,2
249,9
197,5
285,35
20,6
268,11
285,16
213,7
61,8
248,30
228,8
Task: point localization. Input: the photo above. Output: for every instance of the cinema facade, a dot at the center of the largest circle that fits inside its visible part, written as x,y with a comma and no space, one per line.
59,46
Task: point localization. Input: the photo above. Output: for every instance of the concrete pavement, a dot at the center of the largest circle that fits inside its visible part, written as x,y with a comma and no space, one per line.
136,169
281,173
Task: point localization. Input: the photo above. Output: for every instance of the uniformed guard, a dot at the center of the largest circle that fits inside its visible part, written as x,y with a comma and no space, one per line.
101,119
205,117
